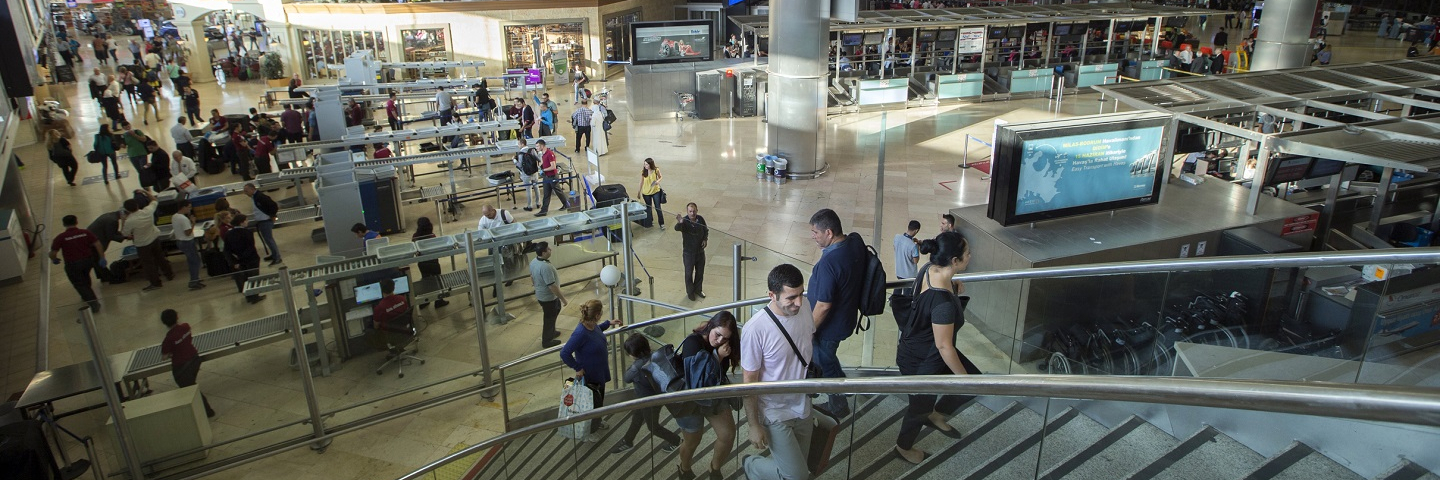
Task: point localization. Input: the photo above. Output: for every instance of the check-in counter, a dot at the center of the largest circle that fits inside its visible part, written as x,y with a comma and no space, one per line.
1031,80
1088,75
960,85
882,91
1153,69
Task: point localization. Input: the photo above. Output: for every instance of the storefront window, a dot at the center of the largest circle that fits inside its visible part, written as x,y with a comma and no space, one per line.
322,48
617,36
425,45
556,48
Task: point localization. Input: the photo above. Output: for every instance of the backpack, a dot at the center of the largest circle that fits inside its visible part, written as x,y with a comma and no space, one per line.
872,293
529,163
610,116
661,369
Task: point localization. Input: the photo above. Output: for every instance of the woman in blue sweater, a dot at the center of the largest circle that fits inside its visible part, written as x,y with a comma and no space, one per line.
585,352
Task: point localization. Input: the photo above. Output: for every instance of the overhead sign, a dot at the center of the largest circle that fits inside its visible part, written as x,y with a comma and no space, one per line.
971,41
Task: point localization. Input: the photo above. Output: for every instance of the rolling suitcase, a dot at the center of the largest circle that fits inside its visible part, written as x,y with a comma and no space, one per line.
215,262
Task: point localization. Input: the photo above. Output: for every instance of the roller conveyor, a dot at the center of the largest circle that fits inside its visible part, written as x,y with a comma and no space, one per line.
308,212
369,263
223,341
464,129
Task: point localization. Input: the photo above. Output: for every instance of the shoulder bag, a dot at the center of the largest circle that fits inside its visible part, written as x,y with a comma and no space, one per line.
811,371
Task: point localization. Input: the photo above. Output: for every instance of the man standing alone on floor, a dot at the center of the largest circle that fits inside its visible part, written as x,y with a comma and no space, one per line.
582,119
547,292
775,346
1221,39
835,285
179,348
907,251
695,236
263,218
82,254
140,227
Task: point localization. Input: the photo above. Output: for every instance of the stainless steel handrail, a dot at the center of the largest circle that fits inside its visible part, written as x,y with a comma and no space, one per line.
646,301
1406,405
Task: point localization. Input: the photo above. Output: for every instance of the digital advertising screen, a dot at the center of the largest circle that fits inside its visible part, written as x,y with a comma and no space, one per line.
671,42
1047,170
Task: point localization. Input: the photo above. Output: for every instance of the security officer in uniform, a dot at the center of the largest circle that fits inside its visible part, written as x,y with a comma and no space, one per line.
82,254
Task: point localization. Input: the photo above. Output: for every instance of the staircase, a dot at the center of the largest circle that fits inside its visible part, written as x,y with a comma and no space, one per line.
1003,439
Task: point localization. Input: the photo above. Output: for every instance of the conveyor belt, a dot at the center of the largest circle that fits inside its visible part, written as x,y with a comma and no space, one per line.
465,129
308,212
237,337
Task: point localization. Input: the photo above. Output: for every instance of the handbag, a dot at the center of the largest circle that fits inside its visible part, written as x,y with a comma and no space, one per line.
811,371
95,157
575,399
661,197
183,183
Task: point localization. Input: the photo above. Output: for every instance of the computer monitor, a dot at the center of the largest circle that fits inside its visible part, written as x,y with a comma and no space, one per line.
1016,32
926,36
369,293
851,39
1062,30
1289,169
997,32
948,35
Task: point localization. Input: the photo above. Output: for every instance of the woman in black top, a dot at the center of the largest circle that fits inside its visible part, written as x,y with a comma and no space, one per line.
927,341
240,251
720,336
429,268
62,155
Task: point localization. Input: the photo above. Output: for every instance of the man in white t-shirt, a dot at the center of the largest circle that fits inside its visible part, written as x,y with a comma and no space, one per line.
767,356
491,218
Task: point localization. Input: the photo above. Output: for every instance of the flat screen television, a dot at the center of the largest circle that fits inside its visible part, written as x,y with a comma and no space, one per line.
1063,30
671,42
1053,169
997,32
1288,169
926,36
1325,168
948,35
874,38
851,39
369,293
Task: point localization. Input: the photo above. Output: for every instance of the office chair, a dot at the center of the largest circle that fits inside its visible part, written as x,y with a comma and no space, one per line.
402,343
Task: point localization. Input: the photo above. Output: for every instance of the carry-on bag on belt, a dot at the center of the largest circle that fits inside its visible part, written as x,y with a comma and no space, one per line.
575,399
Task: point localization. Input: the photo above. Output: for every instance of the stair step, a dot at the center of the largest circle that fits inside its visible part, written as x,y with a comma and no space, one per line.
534,455
874,416
1300,462
1408,470
993,438
1124,449
1206,455
1066,434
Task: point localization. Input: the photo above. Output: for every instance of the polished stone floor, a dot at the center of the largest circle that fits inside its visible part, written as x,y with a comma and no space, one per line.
710,163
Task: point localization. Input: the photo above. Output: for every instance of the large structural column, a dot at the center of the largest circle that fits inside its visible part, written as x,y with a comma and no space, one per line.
799,38
1284,39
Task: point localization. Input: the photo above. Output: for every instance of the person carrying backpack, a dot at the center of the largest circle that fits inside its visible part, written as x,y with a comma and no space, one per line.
639,349
707,355
528,162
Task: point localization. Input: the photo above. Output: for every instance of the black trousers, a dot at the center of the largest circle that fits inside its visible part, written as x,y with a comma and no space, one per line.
246,271
551,311
68,167
185,376
649,417
599,390
78,272
917,414
694,271
582,132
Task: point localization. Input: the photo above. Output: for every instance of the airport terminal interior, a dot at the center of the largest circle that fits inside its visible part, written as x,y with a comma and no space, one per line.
936,157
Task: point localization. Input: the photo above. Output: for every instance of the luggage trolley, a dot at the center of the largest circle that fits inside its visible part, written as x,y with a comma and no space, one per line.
686,104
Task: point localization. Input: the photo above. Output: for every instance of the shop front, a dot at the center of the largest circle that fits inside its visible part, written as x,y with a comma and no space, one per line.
617,39
321,48
555,47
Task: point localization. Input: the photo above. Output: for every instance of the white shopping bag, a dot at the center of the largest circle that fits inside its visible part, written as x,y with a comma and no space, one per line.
183,184
575,399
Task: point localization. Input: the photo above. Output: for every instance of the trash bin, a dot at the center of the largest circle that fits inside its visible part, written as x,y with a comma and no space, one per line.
782,168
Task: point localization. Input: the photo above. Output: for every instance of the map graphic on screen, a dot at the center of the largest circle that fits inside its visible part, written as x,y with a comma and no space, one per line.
1077,170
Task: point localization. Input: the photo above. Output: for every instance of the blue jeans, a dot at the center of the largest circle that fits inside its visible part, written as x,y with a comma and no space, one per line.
192,258
267,235
829,363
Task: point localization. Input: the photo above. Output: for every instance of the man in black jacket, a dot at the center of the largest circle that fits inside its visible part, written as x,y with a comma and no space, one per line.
264,220
240,251
696,235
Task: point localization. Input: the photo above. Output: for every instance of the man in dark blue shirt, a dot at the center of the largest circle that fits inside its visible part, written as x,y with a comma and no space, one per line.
835,286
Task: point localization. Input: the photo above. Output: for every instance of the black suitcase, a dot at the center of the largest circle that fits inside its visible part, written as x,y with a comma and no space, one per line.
607,195
215,262
117,271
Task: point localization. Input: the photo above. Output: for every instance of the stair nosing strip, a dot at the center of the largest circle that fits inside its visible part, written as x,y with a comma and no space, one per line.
1105,441
1177,453
985,427
1273,466
1012,452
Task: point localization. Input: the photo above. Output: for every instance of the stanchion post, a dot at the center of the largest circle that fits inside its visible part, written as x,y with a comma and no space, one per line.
477,299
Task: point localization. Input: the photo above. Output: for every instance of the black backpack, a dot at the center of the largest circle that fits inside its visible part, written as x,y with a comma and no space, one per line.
529,163
610,116
872,293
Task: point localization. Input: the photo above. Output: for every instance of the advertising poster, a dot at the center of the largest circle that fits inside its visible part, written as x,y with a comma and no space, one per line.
971,41
1087,169
663,43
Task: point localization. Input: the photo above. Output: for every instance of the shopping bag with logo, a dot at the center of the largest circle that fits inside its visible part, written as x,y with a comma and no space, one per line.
183,184
575,399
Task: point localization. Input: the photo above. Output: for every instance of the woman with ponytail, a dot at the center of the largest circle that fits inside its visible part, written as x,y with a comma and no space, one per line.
927,341
585,352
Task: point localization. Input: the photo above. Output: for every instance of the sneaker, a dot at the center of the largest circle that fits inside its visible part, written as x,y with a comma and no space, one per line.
527,208
669,448
621,447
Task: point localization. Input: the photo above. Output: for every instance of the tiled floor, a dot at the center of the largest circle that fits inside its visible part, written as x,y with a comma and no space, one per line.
706,162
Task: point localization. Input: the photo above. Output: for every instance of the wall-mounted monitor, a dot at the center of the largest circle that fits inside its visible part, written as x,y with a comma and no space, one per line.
1060,168
851,39
370,293
926,36
1288,169
1016,32
1325,168
874,38
1063,30
997,32
947,35
671,42
1122,27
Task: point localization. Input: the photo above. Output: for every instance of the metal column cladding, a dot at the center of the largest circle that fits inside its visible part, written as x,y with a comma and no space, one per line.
1284,36
799,39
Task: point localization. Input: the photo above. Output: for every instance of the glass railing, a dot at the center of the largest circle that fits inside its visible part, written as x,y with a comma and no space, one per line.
1017,427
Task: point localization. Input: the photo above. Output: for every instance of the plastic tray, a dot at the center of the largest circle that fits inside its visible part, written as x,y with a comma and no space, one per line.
432,245
507,231
602,214
540,225
636,209
571,219
399,250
